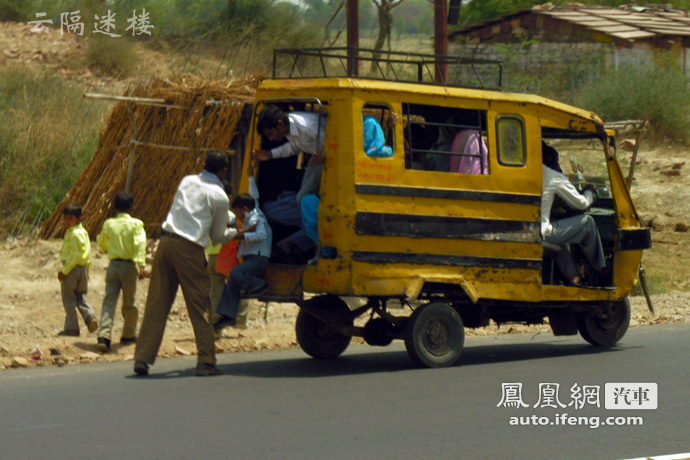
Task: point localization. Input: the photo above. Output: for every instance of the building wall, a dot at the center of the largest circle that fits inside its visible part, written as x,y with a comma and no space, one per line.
565,65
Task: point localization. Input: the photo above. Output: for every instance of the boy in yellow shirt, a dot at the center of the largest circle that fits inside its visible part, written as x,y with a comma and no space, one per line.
74,277
124,239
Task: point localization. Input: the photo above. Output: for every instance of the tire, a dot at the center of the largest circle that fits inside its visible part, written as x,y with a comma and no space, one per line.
434,335
319,339
607,328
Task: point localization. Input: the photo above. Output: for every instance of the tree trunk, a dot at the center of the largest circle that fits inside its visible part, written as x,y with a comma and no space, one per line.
385,12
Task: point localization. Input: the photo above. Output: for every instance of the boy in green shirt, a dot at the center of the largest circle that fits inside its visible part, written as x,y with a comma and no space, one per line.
74,277
124,239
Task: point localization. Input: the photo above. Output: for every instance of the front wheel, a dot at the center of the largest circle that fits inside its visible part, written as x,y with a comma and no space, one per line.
434,335
320,339
608,326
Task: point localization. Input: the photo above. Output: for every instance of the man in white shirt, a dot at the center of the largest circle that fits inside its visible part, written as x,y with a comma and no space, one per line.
199,213
305,132
580,229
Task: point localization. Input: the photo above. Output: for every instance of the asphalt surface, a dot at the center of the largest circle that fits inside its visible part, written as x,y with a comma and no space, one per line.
370,403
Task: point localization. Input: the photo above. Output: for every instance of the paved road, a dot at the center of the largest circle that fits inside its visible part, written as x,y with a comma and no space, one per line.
372,403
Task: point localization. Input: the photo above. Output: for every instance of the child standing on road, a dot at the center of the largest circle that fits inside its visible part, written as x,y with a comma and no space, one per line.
74,277
124,239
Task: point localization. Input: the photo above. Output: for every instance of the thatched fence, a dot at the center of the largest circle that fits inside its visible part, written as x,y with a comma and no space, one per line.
169,143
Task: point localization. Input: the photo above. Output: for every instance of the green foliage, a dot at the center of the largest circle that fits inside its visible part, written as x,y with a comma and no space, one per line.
479,11
13,10
48,133
659,93
414,17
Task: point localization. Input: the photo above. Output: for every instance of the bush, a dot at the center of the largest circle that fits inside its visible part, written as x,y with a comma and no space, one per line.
12,10
658,93
111,56
48,133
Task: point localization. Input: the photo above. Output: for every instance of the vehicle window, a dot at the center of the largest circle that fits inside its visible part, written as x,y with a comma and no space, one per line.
583,161
377,130
445,139
510,130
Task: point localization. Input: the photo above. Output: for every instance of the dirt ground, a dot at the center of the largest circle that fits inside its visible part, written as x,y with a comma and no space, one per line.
31,311
31,314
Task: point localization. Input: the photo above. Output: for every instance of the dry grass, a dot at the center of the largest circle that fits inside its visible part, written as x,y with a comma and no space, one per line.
158,169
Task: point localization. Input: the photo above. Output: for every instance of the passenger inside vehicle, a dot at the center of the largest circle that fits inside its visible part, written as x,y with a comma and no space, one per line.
281,181
475,154
457,145
580,229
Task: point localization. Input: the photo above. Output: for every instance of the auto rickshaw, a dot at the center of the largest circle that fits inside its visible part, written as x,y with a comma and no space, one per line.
431,248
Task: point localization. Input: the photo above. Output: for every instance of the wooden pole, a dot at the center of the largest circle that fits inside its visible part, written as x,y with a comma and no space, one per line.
441,39
132,147
352,37
633,160
138,100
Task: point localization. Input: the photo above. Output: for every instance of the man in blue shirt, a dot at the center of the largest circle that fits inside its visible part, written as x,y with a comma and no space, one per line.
255,250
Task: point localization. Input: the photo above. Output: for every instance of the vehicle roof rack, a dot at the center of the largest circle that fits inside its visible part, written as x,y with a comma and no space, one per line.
303,63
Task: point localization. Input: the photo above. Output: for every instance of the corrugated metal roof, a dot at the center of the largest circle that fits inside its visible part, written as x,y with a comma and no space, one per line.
628,24
633,24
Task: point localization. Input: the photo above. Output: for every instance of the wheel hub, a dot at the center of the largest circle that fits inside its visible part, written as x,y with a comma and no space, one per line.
608,319
436,336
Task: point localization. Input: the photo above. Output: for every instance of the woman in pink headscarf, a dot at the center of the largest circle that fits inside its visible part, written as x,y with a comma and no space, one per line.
475,158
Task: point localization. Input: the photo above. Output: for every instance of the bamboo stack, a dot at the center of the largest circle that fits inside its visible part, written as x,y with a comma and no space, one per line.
157,170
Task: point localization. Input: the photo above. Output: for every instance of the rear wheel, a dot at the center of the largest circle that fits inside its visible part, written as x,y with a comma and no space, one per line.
434,335
320,339
608,326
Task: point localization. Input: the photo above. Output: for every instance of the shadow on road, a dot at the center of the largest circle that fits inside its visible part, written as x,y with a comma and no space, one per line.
387,360
395,361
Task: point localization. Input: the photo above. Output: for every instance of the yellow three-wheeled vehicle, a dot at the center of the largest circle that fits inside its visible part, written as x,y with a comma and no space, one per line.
450,231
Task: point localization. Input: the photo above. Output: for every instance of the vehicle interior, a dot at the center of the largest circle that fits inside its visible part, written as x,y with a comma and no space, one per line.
583,162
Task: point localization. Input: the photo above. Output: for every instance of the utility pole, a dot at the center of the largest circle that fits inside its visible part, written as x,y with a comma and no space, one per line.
441,39
352,37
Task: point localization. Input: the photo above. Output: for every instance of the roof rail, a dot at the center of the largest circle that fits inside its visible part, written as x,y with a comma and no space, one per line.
301,63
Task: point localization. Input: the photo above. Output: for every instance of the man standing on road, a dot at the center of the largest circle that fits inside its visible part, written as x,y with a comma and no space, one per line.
199,211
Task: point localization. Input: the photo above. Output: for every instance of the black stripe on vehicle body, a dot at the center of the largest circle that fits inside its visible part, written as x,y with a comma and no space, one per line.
447,194
381,258
415,226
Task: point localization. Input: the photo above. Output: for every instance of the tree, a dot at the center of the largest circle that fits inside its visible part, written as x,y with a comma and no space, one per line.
328,14
385,13
330,22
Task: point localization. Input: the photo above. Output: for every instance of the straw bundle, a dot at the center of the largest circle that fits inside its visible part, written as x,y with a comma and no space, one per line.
158,169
